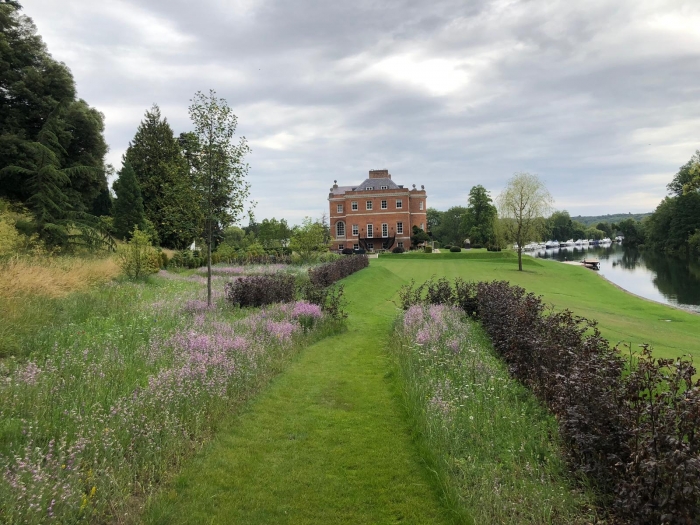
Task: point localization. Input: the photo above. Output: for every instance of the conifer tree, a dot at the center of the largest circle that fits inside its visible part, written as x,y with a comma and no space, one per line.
170,200
128,208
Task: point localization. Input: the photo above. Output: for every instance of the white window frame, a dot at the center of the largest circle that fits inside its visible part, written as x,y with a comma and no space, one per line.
422,226
355,230
385,187
353,206
368,205
370,230
341,247
385,229
384,205
420,205
400,244
369,188
355,246
338,226
370,246
339,208
399,228
399,204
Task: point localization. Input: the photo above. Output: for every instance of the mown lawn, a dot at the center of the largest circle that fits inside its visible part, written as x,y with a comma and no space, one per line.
328,442
622,317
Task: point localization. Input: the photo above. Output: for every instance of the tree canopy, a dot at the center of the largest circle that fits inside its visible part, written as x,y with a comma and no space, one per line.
52,146
522,205
479,217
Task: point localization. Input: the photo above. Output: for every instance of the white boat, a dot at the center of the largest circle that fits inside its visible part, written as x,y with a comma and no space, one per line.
551,244
578,242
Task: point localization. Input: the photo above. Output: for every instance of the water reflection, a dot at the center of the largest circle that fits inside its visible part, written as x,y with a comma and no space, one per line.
648,274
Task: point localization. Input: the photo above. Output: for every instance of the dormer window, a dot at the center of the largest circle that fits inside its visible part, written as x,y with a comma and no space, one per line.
368,188
385,187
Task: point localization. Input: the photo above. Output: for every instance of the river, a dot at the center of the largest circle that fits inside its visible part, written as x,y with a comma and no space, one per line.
648,274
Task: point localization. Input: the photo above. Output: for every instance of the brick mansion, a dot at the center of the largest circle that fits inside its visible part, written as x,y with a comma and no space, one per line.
376,214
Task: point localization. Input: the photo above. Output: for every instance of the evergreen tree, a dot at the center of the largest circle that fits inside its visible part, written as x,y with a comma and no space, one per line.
51,145
128,208
167,185
480,216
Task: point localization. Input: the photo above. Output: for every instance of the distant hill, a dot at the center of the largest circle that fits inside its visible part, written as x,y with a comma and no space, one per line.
615,217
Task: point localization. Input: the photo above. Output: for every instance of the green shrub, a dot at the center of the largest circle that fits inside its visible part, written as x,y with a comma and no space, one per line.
448,246
398,250
455,249
428,249
138,258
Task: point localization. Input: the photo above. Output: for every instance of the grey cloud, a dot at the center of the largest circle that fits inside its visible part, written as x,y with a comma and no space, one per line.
601,99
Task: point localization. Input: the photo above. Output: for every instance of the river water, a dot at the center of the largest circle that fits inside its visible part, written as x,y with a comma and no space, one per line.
651,275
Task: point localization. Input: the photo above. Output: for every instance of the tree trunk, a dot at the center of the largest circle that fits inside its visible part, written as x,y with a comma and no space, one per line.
520,258
209,265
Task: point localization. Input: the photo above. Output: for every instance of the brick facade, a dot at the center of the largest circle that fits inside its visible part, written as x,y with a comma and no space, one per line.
386,222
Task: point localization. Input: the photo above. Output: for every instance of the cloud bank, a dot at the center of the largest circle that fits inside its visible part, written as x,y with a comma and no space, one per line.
601,99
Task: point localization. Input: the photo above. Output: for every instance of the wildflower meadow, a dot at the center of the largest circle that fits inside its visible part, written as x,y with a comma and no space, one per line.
491,444
107,405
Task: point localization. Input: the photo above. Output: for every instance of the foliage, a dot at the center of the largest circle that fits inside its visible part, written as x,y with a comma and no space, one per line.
673,223
451,225
428,249
123,386
480,216
687,178
418,236
455,249
521,205
487,438
273,233
220,172
397,250
138,258
167,185
632,429
327,274
261,290
309,238
632,231
128,208
51,144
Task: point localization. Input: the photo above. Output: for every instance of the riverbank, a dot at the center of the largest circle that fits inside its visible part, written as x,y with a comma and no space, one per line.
622,316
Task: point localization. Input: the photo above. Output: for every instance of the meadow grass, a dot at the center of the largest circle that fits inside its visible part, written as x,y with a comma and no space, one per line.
622,317
328,442
122,383
491,444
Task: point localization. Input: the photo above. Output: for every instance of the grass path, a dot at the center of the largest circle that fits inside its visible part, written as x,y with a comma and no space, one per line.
326,443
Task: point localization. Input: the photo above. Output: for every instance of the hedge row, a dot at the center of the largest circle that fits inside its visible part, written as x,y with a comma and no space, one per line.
261,290
327,274
631,425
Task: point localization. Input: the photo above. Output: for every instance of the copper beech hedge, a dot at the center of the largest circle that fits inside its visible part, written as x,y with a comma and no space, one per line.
629,421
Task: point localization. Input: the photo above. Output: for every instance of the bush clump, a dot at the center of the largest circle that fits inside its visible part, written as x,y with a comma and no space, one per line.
398,250
633,427
455,249
261,290
347,251
428,249
138,258
327,274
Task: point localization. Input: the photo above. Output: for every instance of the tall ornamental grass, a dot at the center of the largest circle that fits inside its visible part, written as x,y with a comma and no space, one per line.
91,424
492,445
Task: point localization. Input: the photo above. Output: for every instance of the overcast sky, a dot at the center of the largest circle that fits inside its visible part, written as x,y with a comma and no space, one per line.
600,98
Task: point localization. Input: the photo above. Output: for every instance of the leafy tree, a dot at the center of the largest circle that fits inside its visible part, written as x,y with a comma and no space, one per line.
418,236
138,258
561,226
35,89
128,208
595,234
688,177
451,229
273,233
433,218
220,171
480,216
521,204
309,238
633,232
606,228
